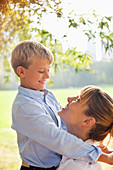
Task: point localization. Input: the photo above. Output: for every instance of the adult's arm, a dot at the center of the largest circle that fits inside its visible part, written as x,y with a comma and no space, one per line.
106,158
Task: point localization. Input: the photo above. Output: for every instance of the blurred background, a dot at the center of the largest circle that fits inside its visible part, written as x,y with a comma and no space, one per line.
79,34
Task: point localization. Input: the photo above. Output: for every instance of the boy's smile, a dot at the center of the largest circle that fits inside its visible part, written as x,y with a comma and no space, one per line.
36,75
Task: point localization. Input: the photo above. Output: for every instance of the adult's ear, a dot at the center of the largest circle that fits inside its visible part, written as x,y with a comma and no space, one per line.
21,71
90,121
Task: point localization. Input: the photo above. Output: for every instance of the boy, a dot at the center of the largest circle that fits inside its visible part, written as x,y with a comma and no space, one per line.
40,135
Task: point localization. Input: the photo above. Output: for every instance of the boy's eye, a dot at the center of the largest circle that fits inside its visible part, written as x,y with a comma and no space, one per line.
41,71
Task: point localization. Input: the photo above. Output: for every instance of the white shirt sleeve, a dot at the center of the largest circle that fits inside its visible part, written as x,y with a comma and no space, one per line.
71,164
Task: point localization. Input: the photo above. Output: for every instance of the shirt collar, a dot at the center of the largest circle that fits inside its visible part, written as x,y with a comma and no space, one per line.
33,93
90,141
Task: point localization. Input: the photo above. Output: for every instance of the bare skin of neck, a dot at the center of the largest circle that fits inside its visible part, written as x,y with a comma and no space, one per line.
80,132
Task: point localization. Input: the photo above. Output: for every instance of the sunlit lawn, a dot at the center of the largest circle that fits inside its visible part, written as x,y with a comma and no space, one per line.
9,157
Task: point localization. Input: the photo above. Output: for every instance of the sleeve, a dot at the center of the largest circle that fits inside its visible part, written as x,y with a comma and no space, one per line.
31,121
70,164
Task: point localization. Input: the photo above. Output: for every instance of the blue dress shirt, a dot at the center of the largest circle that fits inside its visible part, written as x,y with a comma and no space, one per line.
41,134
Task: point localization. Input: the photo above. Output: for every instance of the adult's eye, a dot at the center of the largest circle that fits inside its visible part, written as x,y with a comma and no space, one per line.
78,100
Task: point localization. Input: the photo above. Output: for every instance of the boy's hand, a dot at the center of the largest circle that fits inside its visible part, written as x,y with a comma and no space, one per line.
105,149
70,99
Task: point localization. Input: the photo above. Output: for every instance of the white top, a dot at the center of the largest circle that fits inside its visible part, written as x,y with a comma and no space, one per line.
81,163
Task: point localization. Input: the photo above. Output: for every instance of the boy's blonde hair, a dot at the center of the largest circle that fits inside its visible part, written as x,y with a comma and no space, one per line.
100,106
25,53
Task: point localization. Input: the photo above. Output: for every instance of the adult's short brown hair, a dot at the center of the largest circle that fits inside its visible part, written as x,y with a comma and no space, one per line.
100,106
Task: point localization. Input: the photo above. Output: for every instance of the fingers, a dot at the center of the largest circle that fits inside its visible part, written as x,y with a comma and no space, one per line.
105,149
70,99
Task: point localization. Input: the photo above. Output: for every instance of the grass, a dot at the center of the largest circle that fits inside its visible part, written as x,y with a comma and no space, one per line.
9,156
8,147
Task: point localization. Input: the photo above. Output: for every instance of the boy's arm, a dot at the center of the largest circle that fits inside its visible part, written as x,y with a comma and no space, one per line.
42,129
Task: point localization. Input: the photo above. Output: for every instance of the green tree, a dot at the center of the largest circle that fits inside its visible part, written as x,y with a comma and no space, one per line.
20,20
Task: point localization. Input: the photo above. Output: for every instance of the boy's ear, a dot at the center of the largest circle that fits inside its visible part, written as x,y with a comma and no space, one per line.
90,121
21,71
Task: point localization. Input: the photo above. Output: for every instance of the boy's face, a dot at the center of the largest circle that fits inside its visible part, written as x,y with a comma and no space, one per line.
36,75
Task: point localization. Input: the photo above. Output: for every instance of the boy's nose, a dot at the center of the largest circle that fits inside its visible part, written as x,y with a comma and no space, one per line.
46,75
